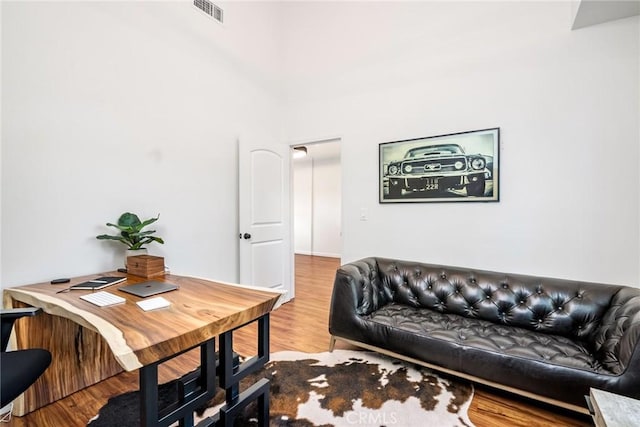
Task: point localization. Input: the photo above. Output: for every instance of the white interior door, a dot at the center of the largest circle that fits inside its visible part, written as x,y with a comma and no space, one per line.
265,216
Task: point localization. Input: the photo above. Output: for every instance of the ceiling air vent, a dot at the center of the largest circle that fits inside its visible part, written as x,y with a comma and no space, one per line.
210,9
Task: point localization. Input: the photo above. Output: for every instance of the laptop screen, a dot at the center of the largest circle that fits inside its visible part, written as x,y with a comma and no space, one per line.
147,289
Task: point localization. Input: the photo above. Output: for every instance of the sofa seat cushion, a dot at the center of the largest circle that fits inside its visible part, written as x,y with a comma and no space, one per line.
484,335
543,364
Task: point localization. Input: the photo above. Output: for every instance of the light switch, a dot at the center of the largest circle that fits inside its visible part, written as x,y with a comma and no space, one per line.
364,214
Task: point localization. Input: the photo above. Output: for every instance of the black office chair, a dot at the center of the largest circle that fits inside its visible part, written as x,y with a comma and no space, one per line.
20,368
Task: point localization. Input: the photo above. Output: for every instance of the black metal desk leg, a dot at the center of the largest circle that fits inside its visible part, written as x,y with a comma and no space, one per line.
149,395
194,390
231,375
228,367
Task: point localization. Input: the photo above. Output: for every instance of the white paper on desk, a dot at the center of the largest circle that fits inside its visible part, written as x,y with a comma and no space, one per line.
153,303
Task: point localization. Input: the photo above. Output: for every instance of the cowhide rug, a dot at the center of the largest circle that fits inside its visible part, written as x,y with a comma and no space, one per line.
343,388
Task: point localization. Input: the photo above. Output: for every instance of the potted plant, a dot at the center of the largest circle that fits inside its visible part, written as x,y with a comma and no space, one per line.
131,233
135,238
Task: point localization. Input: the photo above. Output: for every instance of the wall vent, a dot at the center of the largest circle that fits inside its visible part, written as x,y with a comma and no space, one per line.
210,9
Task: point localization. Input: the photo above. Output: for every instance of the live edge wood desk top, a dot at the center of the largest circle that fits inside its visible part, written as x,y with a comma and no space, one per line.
200,309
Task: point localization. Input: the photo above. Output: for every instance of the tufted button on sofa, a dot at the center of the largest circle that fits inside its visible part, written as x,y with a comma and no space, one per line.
548,339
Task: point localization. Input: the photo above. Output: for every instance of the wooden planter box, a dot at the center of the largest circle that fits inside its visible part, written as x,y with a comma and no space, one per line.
145,265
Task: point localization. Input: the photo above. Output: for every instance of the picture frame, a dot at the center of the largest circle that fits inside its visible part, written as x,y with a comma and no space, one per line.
456,167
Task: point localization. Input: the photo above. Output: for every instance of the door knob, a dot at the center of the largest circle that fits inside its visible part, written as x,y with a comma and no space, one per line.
247,236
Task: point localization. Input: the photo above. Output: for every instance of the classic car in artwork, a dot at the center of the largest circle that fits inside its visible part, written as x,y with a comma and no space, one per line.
438,168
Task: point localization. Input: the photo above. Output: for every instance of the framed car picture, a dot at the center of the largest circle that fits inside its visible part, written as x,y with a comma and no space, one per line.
458,167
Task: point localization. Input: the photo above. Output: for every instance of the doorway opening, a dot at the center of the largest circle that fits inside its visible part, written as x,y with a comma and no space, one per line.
317,198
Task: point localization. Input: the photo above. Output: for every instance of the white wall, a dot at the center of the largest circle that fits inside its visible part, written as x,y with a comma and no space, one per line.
318,207
327,207
566,102
108,107
1,133
302,172
116,106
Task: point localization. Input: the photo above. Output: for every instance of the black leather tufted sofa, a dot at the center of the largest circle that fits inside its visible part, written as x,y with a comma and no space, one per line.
549,339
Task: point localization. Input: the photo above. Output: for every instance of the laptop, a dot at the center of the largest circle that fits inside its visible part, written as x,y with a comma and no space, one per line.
147,289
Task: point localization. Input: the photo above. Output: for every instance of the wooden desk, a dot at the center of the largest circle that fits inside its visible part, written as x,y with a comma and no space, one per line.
90,343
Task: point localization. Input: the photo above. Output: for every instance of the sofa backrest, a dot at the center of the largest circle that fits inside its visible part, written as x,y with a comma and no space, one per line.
562,307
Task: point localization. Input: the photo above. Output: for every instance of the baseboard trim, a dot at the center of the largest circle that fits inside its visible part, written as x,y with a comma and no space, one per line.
326,254
322,254
475,379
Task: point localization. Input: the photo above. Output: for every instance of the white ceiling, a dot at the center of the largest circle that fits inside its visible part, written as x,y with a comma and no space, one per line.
592,12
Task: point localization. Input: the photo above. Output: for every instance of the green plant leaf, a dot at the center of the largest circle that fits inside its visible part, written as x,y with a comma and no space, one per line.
142,233
121,227
131,233
107,237
116,238
128,219
149,221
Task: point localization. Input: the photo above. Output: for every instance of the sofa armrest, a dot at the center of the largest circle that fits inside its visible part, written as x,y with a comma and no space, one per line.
357,291
618,336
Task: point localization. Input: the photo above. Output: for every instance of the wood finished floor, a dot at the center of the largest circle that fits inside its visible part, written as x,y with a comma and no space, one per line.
298,325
